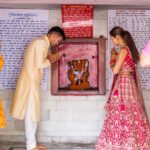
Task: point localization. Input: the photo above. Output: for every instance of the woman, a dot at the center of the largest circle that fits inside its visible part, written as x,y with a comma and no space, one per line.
126,126
2,116
145,56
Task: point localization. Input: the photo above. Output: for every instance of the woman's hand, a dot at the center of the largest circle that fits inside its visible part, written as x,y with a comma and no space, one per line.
113,53
113,57
119,60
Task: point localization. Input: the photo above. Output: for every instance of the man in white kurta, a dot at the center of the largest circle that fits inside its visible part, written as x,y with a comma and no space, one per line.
26,101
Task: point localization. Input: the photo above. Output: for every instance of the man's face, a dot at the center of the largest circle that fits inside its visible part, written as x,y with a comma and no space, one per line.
55,39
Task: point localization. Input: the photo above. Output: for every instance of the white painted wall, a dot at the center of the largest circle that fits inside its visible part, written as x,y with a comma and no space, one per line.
64,118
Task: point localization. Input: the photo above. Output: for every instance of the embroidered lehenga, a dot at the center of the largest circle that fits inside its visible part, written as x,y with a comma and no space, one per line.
126,125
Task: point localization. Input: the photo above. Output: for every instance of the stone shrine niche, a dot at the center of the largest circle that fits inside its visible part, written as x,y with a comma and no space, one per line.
81,69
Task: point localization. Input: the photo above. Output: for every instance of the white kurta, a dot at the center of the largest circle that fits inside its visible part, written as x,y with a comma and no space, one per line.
28,85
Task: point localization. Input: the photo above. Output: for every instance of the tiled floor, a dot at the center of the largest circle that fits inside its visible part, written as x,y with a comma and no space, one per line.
21,146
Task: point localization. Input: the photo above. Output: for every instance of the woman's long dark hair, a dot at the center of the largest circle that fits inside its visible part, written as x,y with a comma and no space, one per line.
126,36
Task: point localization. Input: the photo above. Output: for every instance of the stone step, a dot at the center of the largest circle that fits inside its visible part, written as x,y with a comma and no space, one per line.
68,146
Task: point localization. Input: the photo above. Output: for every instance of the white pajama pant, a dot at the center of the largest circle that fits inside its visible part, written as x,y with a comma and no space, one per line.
30,130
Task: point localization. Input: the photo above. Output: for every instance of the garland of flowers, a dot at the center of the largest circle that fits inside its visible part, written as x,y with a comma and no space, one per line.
2,115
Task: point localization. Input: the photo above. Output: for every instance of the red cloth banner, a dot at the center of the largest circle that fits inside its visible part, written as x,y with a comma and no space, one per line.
77,20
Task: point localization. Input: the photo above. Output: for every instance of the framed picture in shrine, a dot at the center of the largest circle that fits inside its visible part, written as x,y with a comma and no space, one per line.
81,69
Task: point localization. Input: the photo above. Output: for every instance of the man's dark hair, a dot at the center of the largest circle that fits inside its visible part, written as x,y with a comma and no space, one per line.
57,30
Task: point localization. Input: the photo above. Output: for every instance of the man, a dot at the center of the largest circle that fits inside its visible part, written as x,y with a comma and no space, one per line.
26,102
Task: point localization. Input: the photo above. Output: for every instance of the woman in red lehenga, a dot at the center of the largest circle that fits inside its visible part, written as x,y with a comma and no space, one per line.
126,125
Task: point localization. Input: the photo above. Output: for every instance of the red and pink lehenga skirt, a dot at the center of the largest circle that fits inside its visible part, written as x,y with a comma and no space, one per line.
126,125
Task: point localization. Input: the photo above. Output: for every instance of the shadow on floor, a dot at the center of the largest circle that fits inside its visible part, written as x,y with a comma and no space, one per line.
52,146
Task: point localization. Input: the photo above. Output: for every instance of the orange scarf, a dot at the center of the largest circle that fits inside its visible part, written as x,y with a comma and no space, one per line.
2,116
1,62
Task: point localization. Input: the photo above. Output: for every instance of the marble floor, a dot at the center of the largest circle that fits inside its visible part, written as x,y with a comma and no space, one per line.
68,146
